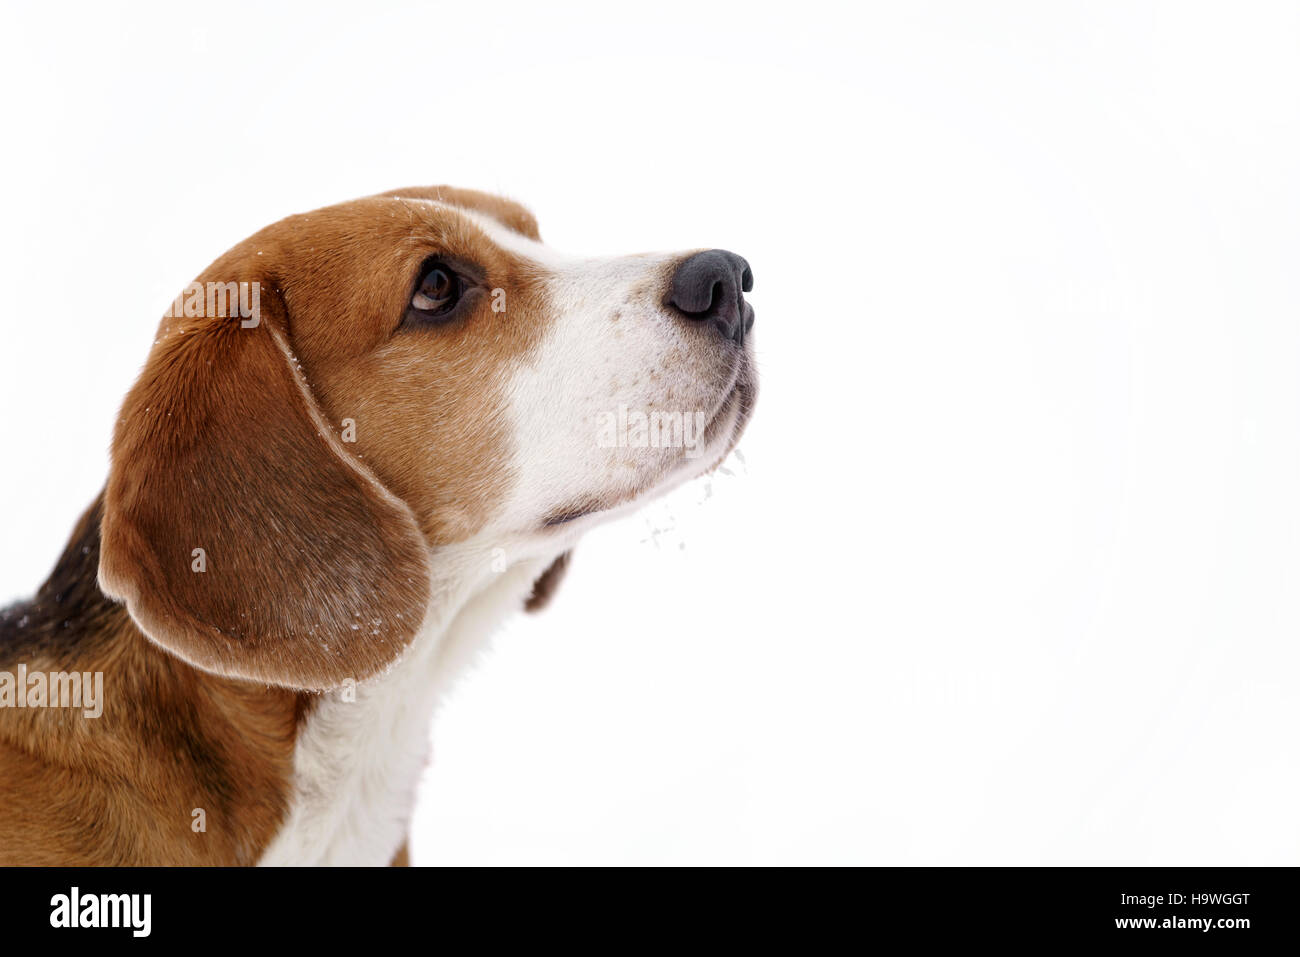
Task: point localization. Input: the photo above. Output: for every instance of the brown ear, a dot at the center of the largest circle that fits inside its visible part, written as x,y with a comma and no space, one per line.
310,573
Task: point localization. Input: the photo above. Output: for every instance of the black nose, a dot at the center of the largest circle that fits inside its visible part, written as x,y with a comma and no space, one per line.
710,287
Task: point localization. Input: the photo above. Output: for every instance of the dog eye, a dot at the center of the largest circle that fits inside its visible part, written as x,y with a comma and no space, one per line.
444,291
437,292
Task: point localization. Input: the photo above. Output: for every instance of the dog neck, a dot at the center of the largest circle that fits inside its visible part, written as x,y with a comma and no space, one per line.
362,750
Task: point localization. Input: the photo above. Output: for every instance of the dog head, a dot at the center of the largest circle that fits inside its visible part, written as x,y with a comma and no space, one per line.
350,391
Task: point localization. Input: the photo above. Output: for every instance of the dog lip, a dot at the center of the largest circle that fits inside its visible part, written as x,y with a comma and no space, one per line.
739,406
738,399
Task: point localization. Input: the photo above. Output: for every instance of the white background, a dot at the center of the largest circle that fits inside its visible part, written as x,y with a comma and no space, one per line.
1010,571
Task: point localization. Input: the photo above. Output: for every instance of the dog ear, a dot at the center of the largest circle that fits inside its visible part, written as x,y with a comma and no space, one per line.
240,534
547,583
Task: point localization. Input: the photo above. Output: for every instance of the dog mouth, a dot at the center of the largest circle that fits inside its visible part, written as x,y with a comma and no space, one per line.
733,412
721,432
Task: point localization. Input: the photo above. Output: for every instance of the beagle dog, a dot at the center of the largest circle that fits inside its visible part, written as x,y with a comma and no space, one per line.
362,438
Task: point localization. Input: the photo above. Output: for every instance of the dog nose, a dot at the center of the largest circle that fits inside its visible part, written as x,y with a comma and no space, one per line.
710,287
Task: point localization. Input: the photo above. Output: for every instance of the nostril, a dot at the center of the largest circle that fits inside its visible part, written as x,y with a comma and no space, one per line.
698,299
699,307
715,300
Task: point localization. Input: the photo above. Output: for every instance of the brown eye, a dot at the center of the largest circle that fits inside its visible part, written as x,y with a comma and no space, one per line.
438,291
443,293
